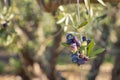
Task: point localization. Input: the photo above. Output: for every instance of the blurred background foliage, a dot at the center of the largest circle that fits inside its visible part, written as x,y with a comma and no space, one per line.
30,39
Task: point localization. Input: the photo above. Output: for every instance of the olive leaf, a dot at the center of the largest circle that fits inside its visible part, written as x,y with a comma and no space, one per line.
87,4
101,2
61,8
91,12
90,47
98,51
82,24
1,16
71,19
4,10
65,44
61,20
65,28
67,21
10,17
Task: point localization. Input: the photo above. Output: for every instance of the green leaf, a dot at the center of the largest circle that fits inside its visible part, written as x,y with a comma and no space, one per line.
61,20
82,24
70,16
101,17
101,2
98,51
90,47
92,57
65,44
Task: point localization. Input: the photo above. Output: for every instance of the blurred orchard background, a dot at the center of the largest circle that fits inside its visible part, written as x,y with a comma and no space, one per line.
31,40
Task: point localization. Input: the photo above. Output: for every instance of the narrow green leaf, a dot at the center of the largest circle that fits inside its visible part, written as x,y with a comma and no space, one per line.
71,20
61,20
98,51
101,2
101,17
90,47
65,44
82,24
92,57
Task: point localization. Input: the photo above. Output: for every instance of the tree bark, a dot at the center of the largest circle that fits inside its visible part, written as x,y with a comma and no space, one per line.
116,69
48,61
55,53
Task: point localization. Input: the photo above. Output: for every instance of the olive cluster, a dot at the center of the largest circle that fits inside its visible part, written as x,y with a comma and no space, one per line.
77,48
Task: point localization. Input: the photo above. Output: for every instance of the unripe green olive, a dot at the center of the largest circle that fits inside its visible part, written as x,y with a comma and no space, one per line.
84,43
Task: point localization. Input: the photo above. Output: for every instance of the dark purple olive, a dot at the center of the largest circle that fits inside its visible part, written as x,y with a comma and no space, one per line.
70,41
81,61
86,58
84,38
74,58
69,36
88,41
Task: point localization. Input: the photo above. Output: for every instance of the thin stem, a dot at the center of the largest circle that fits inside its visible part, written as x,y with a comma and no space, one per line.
78,12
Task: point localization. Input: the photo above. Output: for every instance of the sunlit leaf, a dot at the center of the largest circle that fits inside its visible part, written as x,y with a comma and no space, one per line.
4,10
61,20
10,17
83,24
65,44
90,47
98,51
67,21
61,8
101,2
72,20
91,12
1,16
65,28
87,4
9,40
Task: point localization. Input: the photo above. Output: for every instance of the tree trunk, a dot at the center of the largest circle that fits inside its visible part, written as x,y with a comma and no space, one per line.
116,69
99,60
48,61
54,54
